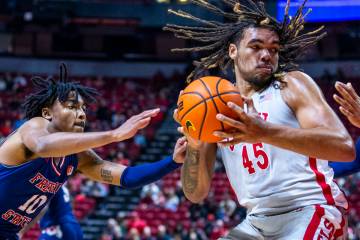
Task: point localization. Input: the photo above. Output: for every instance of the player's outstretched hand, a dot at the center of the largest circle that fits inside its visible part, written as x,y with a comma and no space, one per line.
180,150
249,127
135,123
349,102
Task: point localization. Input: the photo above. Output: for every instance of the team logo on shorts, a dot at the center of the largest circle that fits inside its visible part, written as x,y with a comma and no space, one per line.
189,125
69,170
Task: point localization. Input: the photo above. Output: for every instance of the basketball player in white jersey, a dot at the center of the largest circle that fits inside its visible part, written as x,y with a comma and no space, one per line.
276,156
349,102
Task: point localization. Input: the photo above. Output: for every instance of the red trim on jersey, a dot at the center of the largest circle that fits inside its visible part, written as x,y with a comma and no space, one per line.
314,223
320,178
54,166
340,231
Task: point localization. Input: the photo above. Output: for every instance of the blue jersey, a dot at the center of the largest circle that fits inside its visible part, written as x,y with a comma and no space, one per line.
59,221
26,189
59,211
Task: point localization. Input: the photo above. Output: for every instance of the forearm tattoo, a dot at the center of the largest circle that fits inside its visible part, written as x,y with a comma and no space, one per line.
106,175
190,170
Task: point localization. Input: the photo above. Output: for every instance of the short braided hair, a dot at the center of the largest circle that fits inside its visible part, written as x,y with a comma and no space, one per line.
48,90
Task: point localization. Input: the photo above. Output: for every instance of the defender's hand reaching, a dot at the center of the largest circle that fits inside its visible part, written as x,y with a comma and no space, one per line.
135,123
180,150
349,102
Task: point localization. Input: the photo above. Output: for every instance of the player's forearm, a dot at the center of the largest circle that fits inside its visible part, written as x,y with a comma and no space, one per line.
64,143
323,143
195,176
103,171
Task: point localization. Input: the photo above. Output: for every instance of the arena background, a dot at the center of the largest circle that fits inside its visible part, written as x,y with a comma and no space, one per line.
118,47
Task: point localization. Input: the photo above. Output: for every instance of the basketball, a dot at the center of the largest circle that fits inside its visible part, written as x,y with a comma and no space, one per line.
201,101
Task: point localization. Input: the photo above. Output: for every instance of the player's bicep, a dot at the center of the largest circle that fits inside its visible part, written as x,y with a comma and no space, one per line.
94,167
32,131
305,98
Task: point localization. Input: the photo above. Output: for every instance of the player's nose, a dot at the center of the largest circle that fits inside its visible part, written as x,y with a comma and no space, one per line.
265,55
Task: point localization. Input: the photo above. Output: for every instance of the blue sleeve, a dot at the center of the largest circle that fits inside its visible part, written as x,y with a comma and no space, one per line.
342,169
138,176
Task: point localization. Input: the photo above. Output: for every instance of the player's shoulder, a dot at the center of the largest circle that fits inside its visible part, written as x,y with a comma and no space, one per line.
299,82
36,122
300,87
295,78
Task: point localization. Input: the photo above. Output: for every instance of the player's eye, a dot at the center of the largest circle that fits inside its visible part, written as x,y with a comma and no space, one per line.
274,50
255,47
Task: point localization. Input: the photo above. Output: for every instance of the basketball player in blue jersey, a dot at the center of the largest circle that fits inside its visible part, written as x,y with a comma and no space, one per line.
38,157
59,221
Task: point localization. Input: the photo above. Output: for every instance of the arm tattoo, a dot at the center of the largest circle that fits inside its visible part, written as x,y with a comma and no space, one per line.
106,175
190,170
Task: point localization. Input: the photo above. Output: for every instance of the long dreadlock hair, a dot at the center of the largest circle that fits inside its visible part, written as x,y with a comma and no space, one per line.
217,36
48,90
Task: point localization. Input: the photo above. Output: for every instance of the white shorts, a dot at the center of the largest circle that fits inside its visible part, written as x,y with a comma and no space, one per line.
319,222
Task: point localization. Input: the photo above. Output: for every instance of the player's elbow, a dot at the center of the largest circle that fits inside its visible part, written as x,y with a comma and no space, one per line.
348,153
196,197
40,149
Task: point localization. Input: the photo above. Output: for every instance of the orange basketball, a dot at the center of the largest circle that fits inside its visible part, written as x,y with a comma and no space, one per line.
201,100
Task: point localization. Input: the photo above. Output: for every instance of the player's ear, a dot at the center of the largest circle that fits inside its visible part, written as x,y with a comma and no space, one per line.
46,113
232,51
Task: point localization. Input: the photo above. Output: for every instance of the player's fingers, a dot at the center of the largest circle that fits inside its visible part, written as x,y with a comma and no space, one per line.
352,91
343,103
344,92
231,122
227,135
176,115
229,143
143,123
145,114
239,110
346,112
181,141
181,130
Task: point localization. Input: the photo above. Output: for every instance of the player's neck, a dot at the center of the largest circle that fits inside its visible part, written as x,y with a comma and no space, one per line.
245,88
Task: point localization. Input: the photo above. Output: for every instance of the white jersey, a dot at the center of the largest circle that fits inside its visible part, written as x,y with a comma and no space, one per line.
271,180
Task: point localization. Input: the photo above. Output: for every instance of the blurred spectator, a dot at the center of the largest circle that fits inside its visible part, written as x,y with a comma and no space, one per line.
147,234
172,200
113,229
95,189
5,129
134,234
162,233
135,222
140,139
152,193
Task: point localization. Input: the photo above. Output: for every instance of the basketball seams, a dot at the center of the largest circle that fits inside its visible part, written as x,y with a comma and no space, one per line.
204,100
213,101
217,92
206,89
203,120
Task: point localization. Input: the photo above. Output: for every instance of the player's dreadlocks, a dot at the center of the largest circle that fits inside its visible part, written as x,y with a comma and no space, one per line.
48,90
217,36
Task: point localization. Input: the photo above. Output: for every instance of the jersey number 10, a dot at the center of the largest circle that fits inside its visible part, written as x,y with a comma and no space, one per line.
33,203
